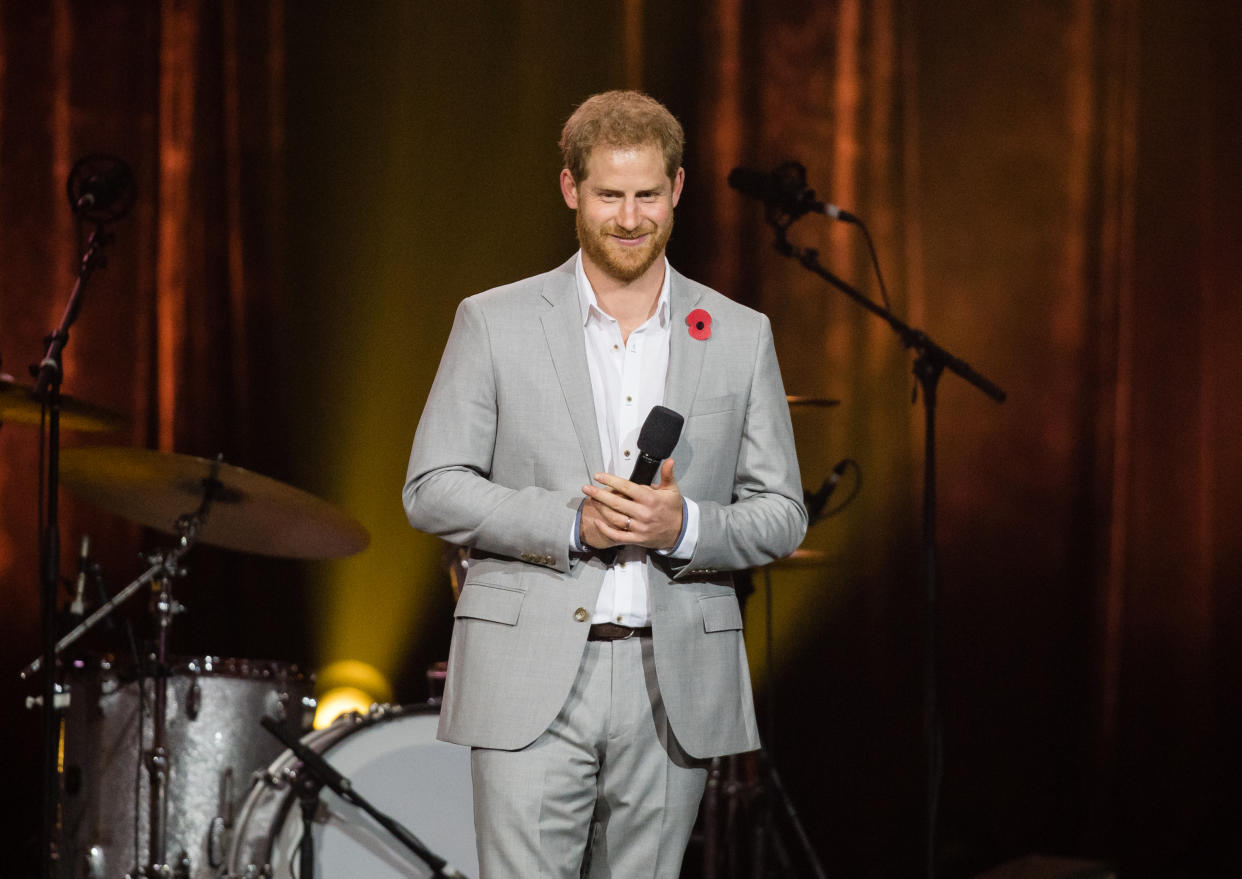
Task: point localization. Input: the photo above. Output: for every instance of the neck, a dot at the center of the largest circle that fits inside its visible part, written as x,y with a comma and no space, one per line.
631,303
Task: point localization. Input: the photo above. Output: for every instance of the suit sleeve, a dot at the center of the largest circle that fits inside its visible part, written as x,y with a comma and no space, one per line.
448,487
766,519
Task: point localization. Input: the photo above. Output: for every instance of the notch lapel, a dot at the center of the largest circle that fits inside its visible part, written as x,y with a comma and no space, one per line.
685,354
562,327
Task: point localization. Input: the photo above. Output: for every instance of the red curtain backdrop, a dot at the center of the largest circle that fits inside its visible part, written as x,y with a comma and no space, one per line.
1054,193
176,330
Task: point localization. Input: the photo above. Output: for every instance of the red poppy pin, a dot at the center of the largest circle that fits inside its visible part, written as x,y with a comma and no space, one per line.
700,324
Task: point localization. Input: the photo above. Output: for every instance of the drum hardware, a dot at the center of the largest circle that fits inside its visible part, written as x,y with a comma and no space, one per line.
59,700
390,751
164,567
163,564
212,759
316,772
218,829
166,607
248,512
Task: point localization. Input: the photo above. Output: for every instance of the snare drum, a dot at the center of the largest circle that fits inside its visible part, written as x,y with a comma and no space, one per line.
392,759
215,748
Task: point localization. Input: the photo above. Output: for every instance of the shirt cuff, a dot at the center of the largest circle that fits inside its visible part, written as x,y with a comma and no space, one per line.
688,539
575,538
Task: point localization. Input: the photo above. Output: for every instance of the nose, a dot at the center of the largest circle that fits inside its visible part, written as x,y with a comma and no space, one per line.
628,217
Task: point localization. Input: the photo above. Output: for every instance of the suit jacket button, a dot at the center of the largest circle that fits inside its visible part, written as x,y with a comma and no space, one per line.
580,615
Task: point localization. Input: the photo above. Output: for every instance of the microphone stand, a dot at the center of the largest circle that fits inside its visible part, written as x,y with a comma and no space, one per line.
93,201
930,362
49,374
317,772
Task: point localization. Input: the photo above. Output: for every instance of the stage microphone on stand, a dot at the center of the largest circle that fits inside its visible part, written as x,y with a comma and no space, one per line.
815,502
784,191
100,188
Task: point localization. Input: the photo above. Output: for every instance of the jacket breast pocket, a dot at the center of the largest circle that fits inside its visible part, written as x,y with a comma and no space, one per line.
721,613
712,405
487,601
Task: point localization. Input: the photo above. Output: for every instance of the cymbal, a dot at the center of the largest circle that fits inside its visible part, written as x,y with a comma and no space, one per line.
795,400
19,406
249,512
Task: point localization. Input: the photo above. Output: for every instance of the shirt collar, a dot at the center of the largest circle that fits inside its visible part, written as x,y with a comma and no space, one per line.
587,300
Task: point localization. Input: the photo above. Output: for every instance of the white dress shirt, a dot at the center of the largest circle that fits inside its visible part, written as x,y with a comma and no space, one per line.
627,380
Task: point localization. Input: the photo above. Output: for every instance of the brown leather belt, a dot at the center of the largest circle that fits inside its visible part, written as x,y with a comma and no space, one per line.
614,632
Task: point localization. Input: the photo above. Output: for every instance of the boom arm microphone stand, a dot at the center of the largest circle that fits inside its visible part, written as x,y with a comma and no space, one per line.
314,773
930,362
101,189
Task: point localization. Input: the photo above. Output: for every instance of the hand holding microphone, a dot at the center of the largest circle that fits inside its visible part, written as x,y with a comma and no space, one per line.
630,511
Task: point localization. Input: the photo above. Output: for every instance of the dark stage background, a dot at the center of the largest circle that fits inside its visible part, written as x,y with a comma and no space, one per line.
1055,193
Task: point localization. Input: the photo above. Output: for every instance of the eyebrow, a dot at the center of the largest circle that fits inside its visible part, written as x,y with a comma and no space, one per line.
604,190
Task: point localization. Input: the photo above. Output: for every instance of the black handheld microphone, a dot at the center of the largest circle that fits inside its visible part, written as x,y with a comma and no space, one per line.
656,440
785,191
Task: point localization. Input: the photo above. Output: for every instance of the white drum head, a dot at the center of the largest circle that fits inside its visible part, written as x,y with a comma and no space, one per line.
397,764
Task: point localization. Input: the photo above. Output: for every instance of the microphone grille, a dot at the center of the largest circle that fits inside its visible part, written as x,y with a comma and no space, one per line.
660,432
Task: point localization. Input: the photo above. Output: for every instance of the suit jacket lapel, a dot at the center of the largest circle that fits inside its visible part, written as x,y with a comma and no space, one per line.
685,354
562,326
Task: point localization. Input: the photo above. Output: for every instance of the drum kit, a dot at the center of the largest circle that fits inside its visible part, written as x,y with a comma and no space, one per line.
163,768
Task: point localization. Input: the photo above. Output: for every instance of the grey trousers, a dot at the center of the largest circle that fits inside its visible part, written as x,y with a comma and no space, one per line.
608,771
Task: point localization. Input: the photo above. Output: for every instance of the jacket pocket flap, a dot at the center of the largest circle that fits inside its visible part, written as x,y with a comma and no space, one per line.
708,405
720,613
482,601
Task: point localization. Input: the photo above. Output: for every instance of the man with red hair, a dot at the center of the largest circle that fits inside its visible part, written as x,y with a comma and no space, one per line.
597,662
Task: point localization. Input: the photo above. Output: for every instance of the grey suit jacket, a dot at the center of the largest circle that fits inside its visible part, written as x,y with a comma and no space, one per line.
504,445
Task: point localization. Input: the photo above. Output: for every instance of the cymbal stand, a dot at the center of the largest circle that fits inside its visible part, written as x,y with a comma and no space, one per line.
164,566
165,608
163,562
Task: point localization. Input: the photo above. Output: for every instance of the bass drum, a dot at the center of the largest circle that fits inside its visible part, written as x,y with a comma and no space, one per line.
392,758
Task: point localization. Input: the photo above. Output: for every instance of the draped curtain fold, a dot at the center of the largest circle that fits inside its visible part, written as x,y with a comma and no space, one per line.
1050,190
174,329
